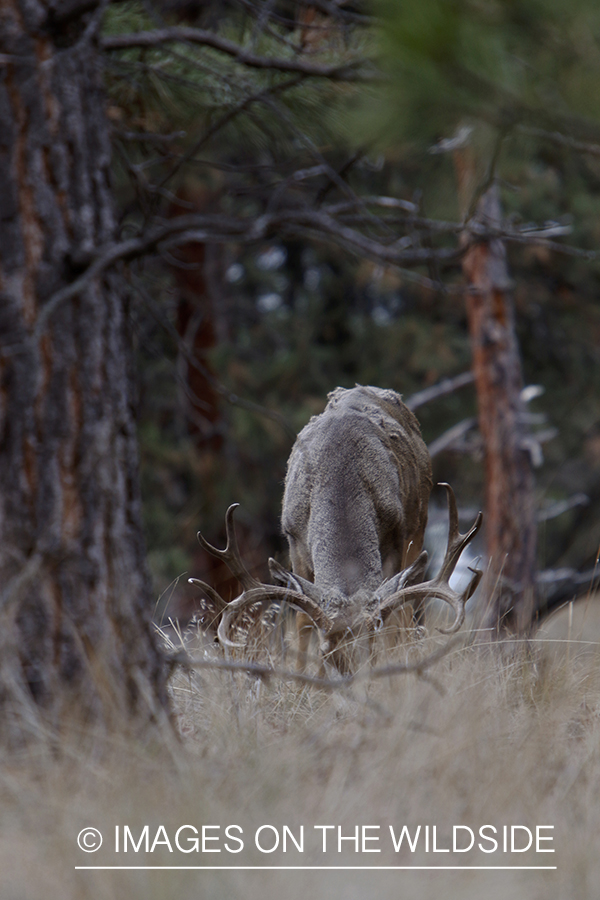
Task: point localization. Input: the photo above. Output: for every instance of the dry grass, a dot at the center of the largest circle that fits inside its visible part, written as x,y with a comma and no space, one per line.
504,736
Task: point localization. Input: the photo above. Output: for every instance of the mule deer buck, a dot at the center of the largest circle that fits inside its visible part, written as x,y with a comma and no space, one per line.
354,513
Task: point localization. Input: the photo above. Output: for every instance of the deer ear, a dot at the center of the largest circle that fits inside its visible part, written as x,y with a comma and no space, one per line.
294,582
415,574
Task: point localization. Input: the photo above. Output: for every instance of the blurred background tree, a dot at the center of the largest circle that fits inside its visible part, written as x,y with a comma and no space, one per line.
495,76
499,92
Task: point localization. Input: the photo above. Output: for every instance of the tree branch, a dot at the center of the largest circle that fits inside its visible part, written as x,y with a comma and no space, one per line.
224,120
449,437
444,387
562,140
186,34
303,222
328,684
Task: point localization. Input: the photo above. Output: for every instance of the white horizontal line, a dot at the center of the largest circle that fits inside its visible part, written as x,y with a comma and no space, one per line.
322,868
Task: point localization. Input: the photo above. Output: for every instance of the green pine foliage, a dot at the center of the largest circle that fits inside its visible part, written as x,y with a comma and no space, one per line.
507,63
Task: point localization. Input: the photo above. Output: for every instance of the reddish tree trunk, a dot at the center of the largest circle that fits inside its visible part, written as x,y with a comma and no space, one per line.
510,520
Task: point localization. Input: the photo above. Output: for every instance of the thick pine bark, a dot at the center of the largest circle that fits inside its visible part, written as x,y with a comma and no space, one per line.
76,638
510,520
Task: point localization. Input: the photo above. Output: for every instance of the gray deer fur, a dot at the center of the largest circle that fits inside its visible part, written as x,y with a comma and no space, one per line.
354,513
356,493
355,502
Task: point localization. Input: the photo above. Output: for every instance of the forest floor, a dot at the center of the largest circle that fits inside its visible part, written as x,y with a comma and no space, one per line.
502,737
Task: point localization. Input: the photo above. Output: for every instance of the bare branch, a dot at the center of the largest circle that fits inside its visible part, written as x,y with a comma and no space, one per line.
225,119
335,9
91,30
441,389
557,587
357,242
303,222
327,684
147,137
565,249
562,506
451,436
184,34
562,140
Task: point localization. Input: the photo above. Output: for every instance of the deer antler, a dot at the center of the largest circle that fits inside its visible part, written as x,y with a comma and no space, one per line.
254,591
296,582
439,586
272,594
231,554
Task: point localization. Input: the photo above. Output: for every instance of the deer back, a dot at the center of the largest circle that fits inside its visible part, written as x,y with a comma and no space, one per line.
356,492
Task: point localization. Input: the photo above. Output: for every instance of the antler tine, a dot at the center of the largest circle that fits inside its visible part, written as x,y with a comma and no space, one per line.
253,590
219,603
439,586
458,603
456,541
296,582
409,576
210,592
456,544
231,554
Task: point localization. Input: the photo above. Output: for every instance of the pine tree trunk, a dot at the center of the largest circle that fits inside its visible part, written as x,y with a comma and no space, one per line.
76,638
510,521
